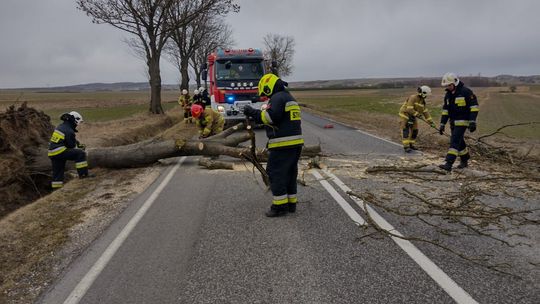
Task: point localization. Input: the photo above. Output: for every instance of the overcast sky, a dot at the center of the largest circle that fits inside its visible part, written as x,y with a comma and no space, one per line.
51,43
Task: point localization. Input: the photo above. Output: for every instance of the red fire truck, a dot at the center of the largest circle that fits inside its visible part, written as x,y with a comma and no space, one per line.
233,78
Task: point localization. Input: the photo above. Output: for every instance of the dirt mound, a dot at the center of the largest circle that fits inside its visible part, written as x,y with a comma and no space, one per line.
22,131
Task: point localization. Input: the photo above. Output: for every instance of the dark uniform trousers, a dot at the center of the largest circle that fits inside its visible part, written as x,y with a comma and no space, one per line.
282,169
59,165
458,147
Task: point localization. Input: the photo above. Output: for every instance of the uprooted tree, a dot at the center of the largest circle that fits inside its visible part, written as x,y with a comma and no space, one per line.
24,134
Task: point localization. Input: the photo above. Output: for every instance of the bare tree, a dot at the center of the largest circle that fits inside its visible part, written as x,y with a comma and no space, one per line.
152,22
279,49
188,39
219,35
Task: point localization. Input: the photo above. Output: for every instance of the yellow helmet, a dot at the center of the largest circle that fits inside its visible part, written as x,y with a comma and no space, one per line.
266,84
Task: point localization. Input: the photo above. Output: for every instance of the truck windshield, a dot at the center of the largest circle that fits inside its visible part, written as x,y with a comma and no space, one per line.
239,70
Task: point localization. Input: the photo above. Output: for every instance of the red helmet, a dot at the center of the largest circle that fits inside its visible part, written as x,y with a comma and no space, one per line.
196,110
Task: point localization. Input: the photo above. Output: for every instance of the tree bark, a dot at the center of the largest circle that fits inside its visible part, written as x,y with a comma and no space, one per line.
147,152
155,85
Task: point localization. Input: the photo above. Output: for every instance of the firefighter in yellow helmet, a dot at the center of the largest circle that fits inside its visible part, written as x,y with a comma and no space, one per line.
208,120
283,129
412,109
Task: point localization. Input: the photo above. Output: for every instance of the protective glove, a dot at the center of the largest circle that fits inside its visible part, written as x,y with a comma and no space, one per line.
472,126
80,146
249,111
441,129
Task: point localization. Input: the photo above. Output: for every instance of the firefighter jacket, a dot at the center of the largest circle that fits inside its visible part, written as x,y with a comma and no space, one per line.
210,123
461,107
282,121
414,106
63,138
184,100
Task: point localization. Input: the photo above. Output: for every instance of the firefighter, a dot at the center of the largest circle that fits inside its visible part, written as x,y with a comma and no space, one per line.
185,102
63,146
461,108
414,107
197,98
283,129
208,120
205,97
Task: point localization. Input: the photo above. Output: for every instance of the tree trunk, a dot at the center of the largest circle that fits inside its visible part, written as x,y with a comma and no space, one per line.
155,85
184,71
147,152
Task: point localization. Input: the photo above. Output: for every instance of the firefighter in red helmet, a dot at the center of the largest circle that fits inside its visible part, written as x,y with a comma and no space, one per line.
209,121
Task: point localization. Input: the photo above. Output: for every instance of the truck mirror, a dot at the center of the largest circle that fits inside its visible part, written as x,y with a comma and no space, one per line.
204,66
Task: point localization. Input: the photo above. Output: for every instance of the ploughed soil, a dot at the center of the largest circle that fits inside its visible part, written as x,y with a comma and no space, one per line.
41,231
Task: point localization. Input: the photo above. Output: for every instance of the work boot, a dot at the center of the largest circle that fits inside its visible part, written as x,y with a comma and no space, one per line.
446,167
277,210
291,207
407,149
463,165
413,147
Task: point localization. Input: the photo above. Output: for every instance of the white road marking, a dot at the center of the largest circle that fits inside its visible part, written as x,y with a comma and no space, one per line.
339,199
441,278
386,140
80,290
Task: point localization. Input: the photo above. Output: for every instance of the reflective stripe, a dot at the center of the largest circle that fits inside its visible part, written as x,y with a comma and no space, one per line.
403,116
292,198
463,152
285,141
280,200
475,109
453,151
419,104
412,141
57,184
445,112
59,134
290,108
410,107
265,117
80,165
56,151
405,142
461,123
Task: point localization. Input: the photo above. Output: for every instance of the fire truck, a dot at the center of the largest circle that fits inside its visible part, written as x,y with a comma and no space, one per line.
233,77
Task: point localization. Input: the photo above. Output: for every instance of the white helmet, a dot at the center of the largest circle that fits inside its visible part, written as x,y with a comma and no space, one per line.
201,89
449,78
184,92
196,92
424,91
78,117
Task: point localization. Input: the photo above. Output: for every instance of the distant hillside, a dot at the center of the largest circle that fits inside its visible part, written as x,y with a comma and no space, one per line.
382,83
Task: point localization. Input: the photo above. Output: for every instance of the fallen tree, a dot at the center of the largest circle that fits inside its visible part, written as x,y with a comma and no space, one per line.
147,152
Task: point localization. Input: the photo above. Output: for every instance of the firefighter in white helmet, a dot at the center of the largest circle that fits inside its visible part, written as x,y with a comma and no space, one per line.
409,113
185,102
205,97
460,107
64,146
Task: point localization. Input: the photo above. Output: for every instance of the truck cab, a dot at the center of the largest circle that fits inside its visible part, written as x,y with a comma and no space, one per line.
233,79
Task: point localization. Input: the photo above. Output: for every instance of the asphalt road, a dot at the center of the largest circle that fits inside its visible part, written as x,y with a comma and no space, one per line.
199,236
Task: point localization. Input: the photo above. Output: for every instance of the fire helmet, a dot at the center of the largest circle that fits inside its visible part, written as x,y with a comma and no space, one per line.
424,91
196,110
78,117
201,89
184,92
266,84
449,78
196,92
